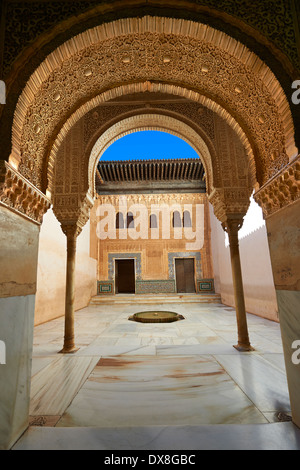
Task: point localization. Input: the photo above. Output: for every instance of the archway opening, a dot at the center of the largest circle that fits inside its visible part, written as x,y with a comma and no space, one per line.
149,145
156,178
169,56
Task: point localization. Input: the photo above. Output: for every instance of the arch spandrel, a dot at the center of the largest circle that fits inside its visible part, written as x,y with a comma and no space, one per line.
175,53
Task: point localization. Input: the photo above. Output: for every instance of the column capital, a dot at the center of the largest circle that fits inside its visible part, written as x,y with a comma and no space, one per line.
230,203
233,223
73,212
71,229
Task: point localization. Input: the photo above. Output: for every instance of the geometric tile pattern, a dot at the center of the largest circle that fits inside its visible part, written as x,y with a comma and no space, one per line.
205,286
105,287
171,262
111,264
155,287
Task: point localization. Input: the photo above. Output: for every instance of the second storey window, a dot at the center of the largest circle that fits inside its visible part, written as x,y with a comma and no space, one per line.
187,222
153,221
130,220
119,220
176,219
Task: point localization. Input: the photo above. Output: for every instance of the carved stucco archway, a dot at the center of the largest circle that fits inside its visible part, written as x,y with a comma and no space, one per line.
225,158
157,52
143,122
184,129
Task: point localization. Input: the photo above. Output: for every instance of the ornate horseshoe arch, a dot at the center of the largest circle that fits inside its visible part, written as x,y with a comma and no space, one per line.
178,55
149,122
191,132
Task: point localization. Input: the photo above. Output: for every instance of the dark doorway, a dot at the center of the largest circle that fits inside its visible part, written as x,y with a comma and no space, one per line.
185,275
125,276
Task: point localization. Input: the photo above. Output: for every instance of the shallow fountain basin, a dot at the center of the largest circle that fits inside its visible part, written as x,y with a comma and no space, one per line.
156,316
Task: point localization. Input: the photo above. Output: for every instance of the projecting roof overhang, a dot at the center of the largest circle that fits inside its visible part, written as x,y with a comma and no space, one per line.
149,176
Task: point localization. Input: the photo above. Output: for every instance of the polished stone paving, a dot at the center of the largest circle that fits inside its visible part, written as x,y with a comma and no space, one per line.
168,386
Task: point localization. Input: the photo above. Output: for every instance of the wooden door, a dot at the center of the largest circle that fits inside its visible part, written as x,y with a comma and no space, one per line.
185,275
125,276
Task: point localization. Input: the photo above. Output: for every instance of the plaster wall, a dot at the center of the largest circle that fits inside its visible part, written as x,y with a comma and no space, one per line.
18,272
284,229
51,277
259,290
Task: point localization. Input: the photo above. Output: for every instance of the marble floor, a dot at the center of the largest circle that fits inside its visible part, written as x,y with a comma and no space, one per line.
169,386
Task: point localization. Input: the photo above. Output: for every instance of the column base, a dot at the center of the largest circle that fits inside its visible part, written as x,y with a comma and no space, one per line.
244,347
71,350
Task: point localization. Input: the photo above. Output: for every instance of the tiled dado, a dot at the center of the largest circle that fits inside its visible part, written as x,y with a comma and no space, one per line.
141,287
205,286
162,286
105,287
115,256
171,262
155,287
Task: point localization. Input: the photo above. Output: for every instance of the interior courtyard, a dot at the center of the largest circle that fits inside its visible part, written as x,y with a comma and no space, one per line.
87,245
178,386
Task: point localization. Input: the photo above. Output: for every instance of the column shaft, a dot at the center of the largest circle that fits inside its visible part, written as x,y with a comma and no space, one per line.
69,339
243,335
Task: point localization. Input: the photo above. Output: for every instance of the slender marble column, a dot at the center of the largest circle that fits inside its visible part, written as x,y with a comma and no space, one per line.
69,339
232,227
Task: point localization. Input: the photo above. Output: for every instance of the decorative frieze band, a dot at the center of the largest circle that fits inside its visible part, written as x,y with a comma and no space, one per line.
19,194
280,191
164,198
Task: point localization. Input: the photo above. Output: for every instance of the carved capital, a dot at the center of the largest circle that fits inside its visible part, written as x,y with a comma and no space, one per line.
232,225
230,203
73,212
70,229
280,191
20,195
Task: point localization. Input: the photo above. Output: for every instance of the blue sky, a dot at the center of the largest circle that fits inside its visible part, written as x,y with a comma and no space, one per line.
149,145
